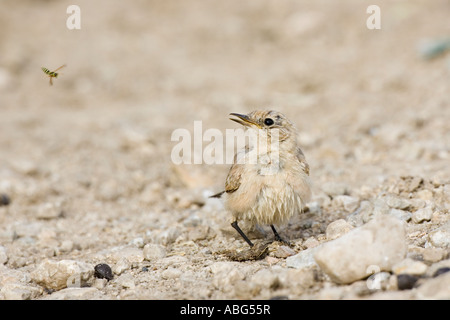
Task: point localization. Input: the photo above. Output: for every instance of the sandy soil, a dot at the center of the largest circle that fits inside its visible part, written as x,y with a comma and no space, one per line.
87,162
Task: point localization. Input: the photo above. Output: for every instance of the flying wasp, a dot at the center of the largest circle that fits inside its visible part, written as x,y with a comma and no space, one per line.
52,74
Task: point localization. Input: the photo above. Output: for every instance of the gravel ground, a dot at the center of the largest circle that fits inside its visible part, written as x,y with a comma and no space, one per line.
86,176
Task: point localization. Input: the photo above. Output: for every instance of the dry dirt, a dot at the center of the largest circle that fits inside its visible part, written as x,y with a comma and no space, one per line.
87,162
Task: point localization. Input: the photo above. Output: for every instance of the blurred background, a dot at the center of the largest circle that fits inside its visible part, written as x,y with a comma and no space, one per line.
369,104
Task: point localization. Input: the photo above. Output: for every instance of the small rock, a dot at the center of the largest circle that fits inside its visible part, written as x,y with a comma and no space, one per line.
126,281
441,271
153,251
103,271
265,278
337,228
311,242
66,246
171,273
303,259
4,199
380,242
17,291
131,253
410,266
138,242
122,265
441,236
400,214
394,201
406,281
421,215
61,274
433,254
225,274
349,203
283,252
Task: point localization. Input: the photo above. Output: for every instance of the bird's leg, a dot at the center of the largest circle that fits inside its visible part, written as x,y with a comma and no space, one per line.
235,225
277,236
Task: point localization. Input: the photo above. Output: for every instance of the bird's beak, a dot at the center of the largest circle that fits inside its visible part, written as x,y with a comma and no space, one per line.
244,120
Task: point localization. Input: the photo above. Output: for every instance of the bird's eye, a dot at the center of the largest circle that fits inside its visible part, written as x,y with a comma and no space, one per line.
268,122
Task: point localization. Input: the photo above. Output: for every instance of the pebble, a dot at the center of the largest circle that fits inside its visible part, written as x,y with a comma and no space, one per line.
122,265
433,254
441,271
103,271
153,251
337,228
349,203
126,281
171,273
303,259
311,242
421,215
380,242
441,236
265,278
18,291
61,274
283,252
394,201
410,266
400,214
406,281
4,199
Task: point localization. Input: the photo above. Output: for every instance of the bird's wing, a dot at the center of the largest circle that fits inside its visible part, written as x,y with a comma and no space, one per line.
302,160
234,178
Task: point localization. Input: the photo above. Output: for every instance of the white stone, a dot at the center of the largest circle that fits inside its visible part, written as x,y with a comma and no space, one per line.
349,203
421,215
153,251
337,228
441,236
18,291
61,274
410,266
171,273
378,244
303,259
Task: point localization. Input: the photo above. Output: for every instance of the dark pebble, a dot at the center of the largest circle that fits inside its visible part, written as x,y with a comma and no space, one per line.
441,271
406,281
103,271
4,199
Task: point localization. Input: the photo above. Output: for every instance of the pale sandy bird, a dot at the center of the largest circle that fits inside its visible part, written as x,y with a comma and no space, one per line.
276,186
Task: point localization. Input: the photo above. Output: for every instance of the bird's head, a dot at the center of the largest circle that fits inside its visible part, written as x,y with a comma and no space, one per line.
266,120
